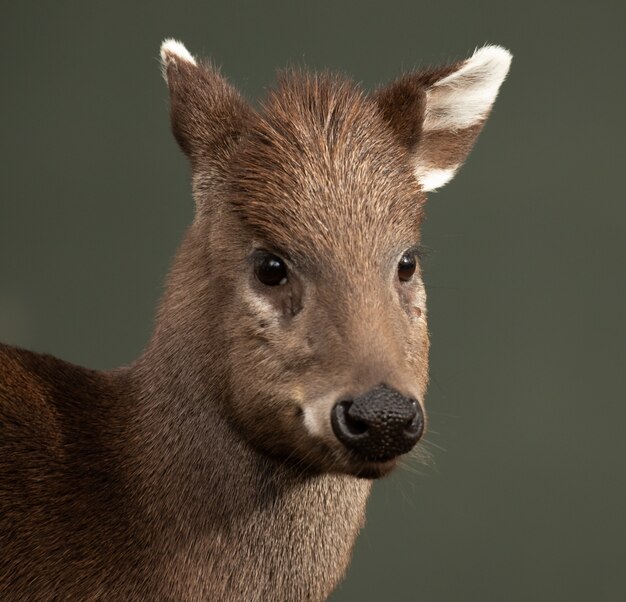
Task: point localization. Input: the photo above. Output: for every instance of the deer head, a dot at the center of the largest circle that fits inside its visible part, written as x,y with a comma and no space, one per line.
298,291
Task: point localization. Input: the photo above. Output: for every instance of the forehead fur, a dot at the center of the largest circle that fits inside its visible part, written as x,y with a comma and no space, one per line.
320,170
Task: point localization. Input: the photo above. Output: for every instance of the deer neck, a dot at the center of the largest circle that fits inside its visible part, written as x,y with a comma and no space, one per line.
222,509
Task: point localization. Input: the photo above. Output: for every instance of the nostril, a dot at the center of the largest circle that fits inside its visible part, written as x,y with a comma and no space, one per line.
415,425
355,426
346,427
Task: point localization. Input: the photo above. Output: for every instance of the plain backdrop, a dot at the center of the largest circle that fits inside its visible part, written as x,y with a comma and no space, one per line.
525,498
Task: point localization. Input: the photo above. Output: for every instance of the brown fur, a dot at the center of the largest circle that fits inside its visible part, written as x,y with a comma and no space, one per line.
191,475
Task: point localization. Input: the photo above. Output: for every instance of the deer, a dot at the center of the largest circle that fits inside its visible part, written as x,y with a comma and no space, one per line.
288,366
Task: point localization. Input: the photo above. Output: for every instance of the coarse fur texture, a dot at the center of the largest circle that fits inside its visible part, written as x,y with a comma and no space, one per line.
208,469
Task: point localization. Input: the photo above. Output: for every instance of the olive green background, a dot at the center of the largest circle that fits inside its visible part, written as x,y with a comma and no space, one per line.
526,498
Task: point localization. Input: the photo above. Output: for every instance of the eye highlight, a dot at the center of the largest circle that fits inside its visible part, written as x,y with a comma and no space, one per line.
270,270
407,266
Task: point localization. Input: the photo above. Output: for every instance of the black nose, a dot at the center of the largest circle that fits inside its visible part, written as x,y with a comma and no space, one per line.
378,425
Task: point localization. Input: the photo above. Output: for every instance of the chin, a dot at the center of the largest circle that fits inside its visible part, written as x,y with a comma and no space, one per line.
375,470
321,460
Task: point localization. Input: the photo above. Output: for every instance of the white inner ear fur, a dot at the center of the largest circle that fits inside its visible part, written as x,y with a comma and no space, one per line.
172,50
463,98
432,178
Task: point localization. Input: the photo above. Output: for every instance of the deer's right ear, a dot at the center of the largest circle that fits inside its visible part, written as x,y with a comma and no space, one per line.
206,112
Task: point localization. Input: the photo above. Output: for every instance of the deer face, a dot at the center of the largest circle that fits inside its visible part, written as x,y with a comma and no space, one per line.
315,203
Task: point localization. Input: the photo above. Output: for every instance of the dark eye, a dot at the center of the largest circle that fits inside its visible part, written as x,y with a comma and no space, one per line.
271,270
406,266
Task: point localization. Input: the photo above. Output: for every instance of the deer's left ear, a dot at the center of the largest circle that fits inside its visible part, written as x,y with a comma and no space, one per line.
439,113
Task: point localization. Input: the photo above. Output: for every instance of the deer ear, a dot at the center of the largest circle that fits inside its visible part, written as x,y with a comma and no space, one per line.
438,114
206,112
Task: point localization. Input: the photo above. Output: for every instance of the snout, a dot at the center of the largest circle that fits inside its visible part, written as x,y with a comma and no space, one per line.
378,425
